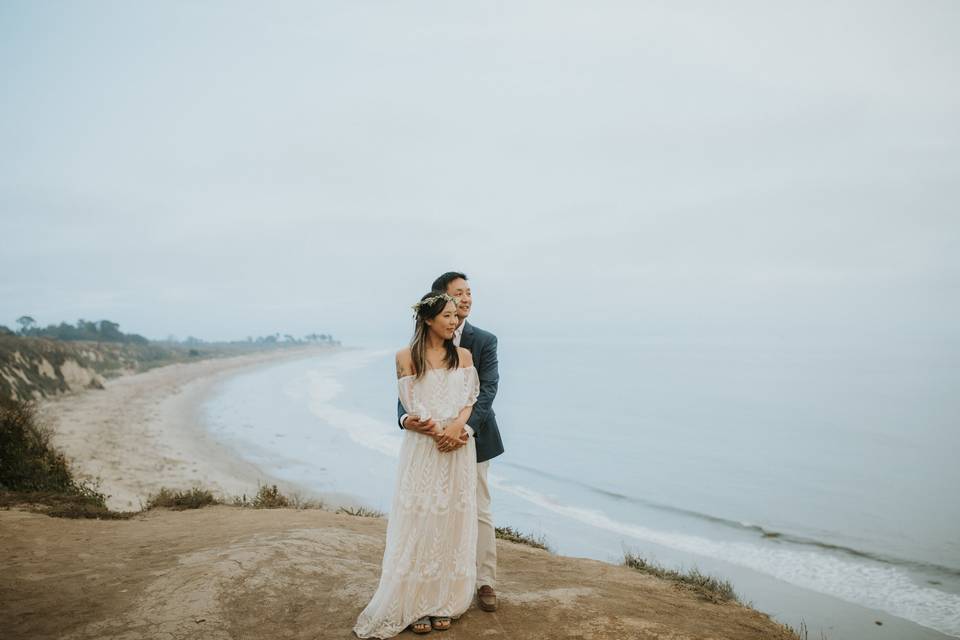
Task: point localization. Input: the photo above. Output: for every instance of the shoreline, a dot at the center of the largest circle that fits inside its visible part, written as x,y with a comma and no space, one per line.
145,431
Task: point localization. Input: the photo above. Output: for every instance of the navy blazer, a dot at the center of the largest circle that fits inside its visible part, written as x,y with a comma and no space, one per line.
483,346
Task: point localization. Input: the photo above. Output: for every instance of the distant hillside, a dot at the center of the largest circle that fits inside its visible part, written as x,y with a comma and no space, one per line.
33,368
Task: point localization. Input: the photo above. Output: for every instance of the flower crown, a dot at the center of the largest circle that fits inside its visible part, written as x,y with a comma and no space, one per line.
428,301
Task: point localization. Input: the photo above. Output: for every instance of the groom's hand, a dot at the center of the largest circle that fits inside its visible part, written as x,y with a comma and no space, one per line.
413,423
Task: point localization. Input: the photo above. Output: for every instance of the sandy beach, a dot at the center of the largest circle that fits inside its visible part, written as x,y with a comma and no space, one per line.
142,432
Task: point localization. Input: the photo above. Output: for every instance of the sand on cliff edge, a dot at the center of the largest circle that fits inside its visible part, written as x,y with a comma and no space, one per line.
226,572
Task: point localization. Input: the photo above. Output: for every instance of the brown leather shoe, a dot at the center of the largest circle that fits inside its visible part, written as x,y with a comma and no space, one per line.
487,598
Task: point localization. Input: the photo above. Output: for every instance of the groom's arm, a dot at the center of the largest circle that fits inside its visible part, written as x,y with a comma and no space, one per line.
415,424
489,376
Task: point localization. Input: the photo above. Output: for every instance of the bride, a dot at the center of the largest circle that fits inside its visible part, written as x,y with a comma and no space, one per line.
429,563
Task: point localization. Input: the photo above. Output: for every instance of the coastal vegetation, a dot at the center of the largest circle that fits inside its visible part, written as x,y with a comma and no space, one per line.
267,497
511,534
193,498
35,474
361,512
706,586
101,331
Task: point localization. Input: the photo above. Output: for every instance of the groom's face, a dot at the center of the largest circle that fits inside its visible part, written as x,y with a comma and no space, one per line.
460,288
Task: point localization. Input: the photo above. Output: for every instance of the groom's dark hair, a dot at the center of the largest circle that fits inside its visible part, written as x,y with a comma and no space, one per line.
440,284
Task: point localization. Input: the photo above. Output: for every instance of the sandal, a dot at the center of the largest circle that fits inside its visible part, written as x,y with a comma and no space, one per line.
422,625
440,623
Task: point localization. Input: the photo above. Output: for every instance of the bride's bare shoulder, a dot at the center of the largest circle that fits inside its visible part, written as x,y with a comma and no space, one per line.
466,358
404,362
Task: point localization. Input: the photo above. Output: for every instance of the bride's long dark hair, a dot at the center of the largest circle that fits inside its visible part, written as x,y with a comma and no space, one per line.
418,344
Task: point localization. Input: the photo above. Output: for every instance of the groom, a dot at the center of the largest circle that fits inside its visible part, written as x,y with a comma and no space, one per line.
483,421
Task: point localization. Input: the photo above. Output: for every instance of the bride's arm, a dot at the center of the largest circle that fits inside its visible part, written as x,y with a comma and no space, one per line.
454,435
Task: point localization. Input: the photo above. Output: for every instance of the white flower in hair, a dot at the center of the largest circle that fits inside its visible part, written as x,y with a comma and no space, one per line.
428,301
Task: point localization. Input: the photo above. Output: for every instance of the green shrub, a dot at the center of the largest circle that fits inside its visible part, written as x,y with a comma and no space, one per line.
180,500
270,498
29,462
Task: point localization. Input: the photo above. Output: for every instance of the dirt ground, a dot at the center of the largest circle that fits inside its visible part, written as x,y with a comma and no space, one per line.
228,572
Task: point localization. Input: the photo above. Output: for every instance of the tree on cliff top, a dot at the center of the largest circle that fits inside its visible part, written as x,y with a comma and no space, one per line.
26,323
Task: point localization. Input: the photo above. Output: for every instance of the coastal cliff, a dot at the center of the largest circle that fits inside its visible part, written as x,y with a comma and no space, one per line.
34,368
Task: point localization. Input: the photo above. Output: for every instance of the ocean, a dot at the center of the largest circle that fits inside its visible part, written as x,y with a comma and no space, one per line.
821,480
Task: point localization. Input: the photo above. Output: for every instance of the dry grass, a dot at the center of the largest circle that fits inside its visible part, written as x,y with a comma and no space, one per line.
362,512
61,505
708,587
269,497
193,498
803,633
297,501
511,534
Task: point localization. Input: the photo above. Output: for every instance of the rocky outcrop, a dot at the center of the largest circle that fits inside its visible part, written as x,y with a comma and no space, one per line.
33,368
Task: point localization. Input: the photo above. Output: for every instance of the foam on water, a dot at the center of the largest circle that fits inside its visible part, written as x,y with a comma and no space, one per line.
864,583
742,526
360,428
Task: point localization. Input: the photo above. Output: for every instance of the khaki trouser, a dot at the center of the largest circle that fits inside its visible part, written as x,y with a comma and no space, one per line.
486,536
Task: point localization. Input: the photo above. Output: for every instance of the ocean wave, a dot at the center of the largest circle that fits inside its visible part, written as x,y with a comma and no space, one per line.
867,583
323,387
763,532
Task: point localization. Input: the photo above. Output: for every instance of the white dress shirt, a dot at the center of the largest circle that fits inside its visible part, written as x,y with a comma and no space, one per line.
456,341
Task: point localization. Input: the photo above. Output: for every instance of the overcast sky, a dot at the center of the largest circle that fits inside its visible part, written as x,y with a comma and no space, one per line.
225,169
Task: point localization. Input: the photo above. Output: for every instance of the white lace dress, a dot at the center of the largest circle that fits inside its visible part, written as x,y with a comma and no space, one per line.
429,564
